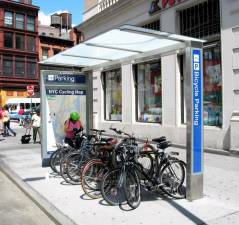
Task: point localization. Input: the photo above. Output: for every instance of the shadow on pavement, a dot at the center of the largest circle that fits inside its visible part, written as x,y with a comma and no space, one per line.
33,179
186,213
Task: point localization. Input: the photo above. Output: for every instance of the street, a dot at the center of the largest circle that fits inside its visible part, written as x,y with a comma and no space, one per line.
220,204
17,208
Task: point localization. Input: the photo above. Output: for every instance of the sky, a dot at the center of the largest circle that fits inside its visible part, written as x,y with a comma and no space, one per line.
48,7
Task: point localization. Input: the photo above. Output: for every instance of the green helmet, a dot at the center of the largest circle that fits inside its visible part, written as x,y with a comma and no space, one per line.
74,116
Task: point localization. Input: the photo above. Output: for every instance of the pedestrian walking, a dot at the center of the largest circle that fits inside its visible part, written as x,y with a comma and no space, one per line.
6,123
36,125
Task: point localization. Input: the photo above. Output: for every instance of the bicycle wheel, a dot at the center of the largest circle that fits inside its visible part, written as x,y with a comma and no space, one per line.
63,169
132,189
56,158
172,177
112,187
91,178
74,163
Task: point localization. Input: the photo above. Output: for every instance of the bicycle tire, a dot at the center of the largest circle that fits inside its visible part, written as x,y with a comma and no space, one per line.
91,178
74,163
132,189
111,190
172,184
55,159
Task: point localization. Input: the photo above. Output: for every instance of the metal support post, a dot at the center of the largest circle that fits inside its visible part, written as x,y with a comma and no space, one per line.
194,108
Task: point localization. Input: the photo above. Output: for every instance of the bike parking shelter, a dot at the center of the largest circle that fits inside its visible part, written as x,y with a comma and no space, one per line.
134,44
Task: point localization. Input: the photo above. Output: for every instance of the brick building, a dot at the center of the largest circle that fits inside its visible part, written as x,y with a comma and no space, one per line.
57,37
19,48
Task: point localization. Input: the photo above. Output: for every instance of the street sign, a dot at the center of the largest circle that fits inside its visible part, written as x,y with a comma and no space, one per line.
30,90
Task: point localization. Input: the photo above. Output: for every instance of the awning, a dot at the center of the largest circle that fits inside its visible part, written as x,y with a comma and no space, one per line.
124,43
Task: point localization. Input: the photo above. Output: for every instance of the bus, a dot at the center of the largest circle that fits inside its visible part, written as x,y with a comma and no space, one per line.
14,105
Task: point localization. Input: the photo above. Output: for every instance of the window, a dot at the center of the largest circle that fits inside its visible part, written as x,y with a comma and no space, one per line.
19,21
155,25
11,93
8,40
20,93
31,23
27,106
44,53
201,20
20,42
20,67
7,66
8,19
31,46
56,51
148,92
31,68
113,95
212,86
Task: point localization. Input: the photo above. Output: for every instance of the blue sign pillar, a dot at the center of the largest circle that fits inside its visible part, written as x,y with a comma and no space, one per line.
197,105
194,105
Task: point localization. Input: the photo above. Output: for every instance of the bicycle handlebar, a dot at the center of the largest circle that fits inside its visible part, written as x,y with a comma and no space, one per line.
98,131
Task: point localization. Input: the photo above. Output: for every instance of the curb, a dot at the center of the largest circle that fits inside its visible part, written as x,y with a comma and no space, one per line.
49,209
213,151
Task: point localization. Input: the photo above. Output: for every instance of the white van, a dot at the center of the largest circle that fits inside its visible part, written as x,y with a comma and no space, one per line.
14,105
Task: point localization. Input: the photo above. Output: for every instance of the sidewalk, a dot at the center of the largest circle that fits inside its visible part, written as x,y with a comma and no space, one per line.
220,204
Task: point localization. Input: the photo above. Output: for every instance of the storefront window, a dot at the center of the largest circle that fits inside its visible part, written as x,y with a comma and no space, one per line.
212,87
149,92
113,95
203,21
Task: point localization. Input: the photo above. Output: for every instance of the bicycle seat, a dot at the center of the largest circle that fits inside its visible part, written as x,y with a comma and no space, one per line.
160,139
164,144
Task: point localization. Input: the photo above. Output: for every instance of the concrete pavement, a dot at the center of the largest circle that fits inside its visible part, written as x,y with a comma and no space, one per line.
220,204
17,208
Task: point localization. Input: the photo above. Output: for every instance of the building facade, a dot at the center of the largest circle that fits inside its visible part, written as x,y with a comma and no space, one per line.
18,48
51,42
147,98
57,37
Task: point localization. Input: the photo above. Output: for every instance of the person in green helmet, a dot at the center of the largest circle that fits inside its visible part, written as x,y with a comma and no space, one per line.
70,126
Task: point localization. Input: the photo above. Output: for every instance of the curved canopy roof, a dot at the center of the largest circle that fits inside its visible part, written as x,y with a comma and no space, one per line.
125,42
